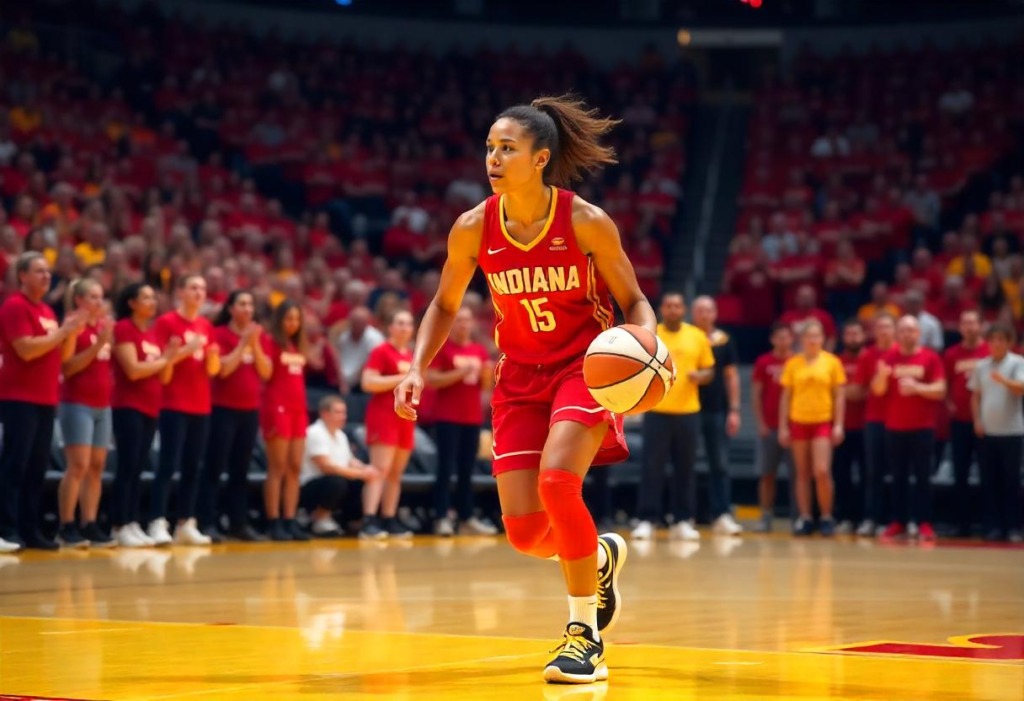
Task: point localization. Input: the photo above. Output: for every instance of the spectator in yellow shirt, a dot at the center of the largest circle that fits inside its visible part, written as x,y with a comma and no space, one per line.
672,427
982,263
811,415
880,302
93,250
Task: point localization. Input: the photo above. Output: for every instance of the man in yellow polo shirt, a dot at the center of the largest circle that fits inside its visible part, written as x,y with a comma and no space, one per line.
672,427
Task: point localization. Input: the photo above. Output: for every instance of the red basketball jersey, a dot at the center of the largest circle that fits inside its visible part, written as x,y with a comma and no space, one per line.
549,299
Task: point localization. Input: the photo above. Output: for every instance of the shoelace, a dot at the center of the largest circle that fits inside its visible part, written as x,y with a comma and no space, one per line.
573,646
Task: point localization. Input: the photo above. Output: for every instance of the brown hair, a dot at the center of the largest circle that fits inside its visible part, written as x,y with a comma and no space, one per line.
571,130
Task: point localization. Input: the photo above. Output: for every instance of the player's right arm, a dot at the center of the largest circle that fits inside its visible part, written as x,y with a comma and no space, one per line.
463,249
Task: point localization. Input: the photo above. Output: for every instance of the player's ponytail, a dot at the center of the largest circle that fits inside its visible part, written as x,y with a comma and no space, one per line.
571,130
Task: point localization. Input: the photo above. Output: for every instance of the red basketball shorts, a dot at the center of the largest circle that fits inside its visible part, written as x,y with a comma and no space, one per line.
280,422
808,432
385,427
529,399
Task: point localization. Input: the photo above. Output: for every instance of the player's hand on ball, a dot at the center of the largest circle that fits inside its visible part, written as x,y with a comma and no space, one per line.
407,395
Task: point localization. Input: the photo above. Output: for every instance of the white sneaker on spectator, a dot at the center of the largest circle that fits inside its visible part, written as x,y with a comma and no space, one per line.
477,526
324,527
141,534
8,547
643,531
188,533
683,530
844,528
866,529
726,525
126,537
912,530
160,532
444,527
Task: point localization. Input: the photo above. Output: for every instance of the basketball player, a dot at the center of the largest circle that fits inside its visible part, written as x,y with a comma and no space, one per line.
550,259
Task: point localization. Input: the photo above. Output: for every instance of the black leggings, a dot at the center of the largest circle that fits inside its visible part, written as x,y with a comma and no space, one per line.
232,440
457,446
323,492
910,454
669,437
849,495
133,435
28,430
182,444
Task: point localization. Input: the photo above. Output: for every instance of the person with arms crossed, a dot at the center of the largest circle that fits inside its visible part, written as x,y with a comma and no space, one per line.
997,386
548,428
811,413
766,394
328,466
914,380
671,429
31,343
720,415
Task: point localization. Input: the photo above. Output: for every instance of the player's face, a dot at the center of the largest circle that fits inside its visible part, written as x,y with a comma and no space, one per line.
511,161
242,309
92,300
672,309
144,304
812,339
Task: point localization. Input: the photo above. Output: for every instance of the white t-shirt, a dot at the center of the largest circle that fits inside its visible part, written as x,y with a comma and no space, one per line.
320,441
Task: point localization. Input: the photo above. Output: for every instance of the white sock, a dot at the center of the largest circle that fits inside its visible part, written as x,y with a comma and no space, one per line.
602,557
583,609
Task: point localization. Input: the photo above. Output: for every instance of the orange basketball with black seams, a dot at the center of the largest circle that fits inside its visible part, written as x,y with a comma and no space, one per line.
628,369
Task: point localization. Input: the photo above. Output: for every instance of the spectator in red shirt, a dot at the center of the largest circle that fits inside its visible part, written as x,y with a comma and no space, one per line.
850,496
135,403
235,416
391,439
284,418
875,458
960,361
766,391
184,412
84,414
913,379
30,358
461,372
844,277
806,309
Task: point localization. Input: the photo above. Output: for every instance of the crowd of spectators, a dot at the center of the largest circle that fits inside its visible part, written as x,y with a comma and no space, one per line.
857,181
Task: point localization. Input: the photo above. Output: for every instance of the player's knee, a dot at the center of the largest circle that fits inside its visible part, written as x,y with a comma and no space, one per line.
524,533
558,488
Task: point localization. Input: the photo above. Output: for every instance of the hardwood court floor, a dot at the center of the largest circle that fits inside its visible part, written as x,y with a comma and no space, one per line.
467,619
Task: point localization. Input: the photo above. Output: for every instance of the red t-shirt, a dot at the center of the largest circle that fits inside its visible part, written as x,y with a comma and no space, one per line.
460,403
93,384
241,389
912,413
34,381
286,388
855,411
959,364
867,364
141,395
189,388
387,360
768,372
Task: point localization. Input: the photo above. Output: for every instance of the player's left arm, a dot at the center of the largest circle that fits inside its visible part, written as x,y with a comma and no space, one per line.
599,238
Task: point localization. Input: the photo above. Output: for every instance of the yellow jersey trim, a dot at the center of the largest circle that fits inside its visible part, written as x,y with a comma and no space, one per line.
543,232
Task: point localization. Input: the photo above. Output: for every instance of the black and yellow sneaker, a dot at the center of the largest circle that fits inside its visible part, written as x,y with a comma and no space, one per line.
580,658
609,601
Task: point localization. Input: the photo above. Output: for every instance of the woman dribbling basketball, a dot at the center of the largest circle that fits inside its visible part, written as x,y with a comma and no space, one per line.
547,256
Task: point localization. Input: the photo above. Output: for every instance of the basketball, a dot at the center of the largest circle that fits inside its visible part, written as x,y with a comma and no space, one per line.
628,369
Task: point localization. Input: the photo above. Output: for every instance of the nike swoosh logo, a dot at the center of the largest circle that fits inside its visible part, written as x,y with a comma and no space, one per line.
492,251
